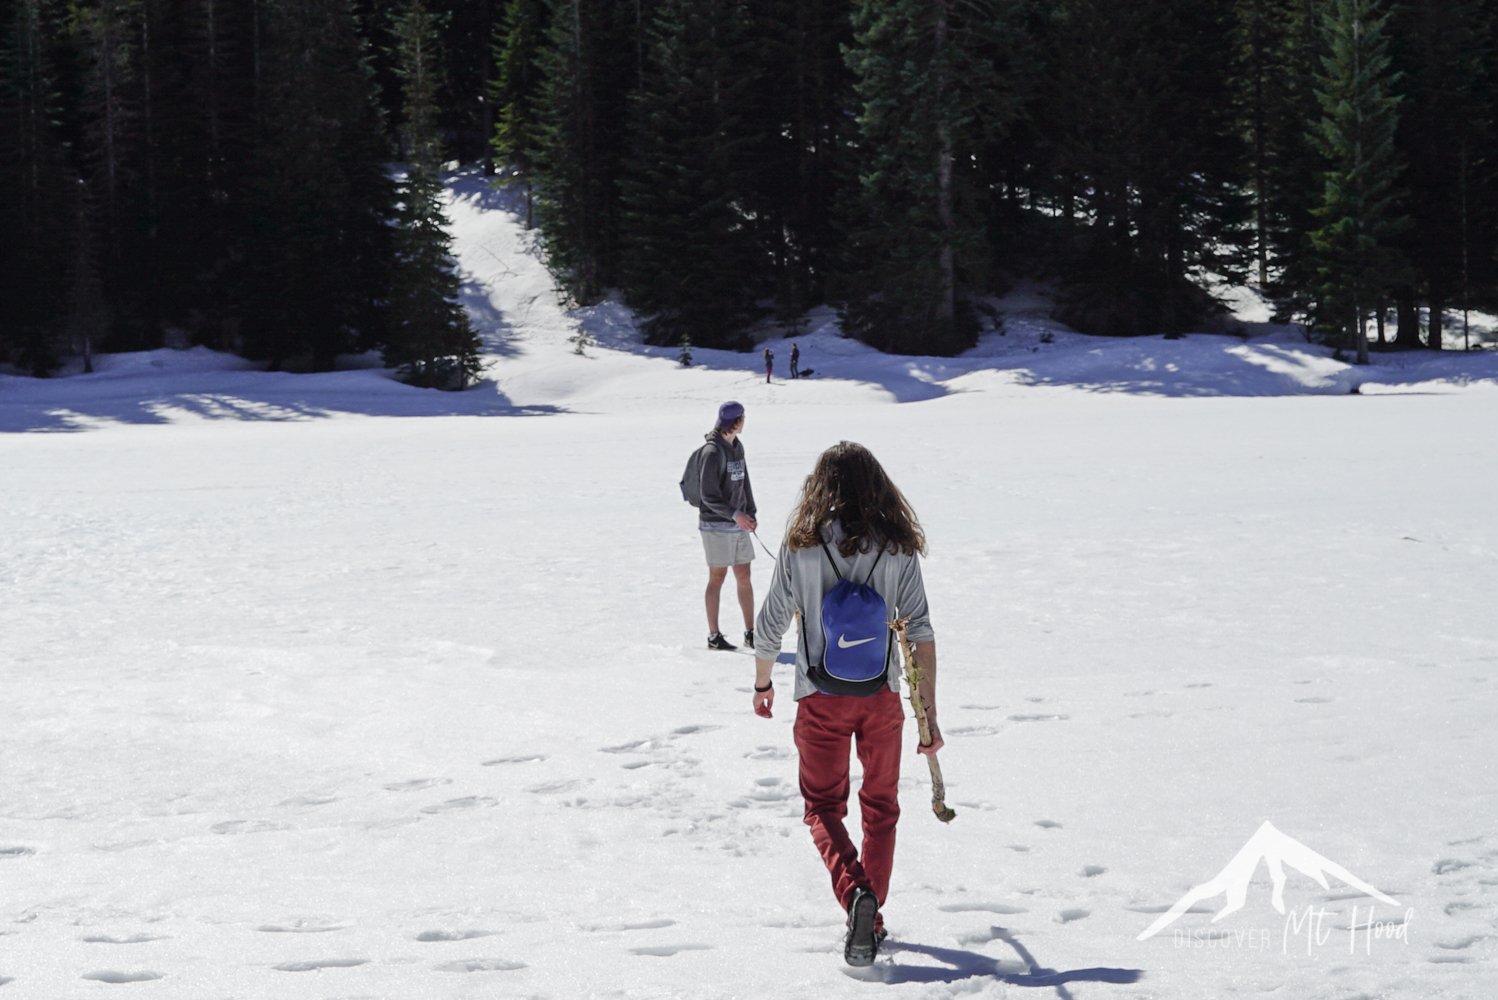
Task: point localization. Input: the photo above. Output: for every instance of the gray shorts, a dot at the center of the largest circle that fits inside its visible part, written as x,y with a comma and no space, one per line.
727,548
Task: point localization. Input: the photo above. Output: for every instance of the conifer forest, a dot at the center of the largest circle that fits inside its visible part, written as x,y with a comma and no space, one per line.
266,176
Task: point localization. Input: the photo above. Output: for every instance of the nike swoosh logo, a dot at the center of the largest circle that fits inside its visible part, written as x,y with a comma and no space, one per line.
843,643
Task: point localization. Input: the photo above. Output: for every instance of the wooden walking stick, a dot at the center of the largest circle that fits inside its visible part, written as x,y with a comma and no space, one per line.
913,678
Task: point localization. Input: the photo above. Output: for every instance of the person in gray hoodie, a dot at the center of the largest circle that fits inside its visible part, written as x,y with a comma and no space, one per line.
726,517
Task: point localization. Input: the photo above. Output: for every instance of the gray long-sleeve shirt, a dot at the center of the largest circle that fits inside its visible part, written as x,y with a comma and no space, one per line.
802,576
725,484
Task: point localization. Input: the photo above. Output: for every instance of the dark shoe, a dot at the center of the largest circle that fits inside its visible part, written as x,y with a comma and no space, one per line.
749,639
862,942
716,641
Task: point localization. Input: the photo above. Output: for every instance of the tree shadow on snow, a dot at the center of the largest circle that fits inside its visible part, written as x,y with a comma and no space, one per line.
51,406
958,965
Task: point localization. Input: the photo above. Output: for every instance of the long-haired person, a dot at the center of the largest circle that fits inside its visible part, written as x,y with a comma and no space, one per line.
851,523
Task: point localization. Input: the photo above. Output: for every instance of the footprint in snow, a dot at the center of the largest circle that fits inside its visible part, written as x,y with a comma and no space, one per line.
982,708
301,927
1200,684
634,746
694,730
1048,824
642,925
111,976
130,939
1039,718
310,799
466,802
1003,909
766,752
1074,913
533,758
1092,871
465,935
1446,866
318,964
417,784
1449,960
668,950
235,826
479,965
1461,944
1316,700
16,852
974,731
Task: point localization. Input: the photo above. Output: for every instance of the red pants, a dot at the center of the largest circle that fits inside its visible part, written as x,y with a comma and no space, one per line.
824,726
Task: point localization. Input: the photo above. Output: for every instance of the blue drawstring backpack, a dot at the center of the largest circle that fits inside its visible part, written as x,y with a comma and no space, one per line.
856,637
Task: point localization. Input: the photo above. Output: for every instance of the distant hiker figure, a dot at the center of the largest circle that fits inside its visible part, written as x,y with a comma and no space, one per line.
795,360
769,364
849,561
726,517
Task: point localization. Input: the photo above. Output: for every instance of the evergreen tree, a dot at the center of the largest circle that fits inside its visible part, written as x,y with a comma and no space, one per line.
37,193
934,84
320,258
690,255
588,71
430,338
515,90
1359,213
1445,141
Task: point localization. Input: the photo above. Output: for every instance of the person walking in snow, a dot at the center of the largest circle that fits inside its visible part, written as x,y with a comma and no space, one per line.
726,517
795,360
769,364
850,522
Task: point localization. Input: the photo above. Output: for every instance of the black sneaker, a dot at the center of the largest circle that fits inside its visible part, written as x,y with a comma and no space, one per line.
716,641
749,639
862,942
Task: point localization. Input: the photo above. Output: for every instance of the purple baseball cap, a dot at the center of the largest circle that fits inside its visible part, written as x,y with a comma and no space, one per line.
729,413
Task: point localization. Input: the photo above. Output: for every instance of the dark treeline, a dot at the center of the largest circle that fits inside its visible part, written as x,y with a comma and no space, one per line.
218,171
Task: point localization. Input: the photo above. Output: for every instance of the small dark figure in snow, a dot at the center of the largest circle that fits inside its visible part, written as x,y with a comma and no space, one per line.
795,360
769,364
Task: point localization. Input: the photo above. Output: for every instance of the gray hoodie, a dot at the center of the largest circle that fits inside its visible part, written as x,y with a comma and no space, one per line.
725,484
802,576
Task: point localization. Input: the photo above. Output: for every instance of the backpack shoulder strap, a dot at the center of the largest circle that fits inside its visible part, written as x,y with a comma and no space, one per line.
870,577
833,562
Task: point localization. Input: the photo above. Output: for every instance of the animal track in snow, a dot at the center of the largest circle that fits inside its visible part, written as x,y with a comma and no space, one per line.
111,976
1073,913
467,935
533,758
668,950
479,965
466,802
318,964
131,939
247,826
417,784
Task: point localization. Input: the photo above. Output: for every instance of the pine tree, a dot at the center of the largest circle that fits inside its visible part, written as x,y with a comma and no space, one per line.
430,340
320,259
1360,212
588,71
515,90
690,255
37,191
933,85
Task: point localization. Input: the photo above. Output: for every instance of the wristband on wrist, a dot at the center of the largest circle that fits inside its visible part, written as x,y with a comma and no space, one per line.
762,690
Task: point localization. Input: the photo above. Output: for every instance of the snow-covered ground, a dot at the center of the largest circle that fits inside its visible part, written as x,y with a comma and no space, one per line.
322,686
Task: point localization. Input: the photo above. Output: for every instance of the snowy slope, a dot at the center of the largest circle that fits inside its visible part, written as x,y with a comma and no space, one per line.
321,686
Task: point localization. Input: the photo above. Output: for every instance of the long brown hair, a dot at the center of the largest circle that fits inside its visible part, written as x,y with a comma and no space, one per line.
849,484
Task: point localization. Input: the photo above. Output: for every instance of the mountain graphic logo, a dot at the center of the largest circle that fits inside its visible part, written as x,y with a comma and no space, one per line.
1277,851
